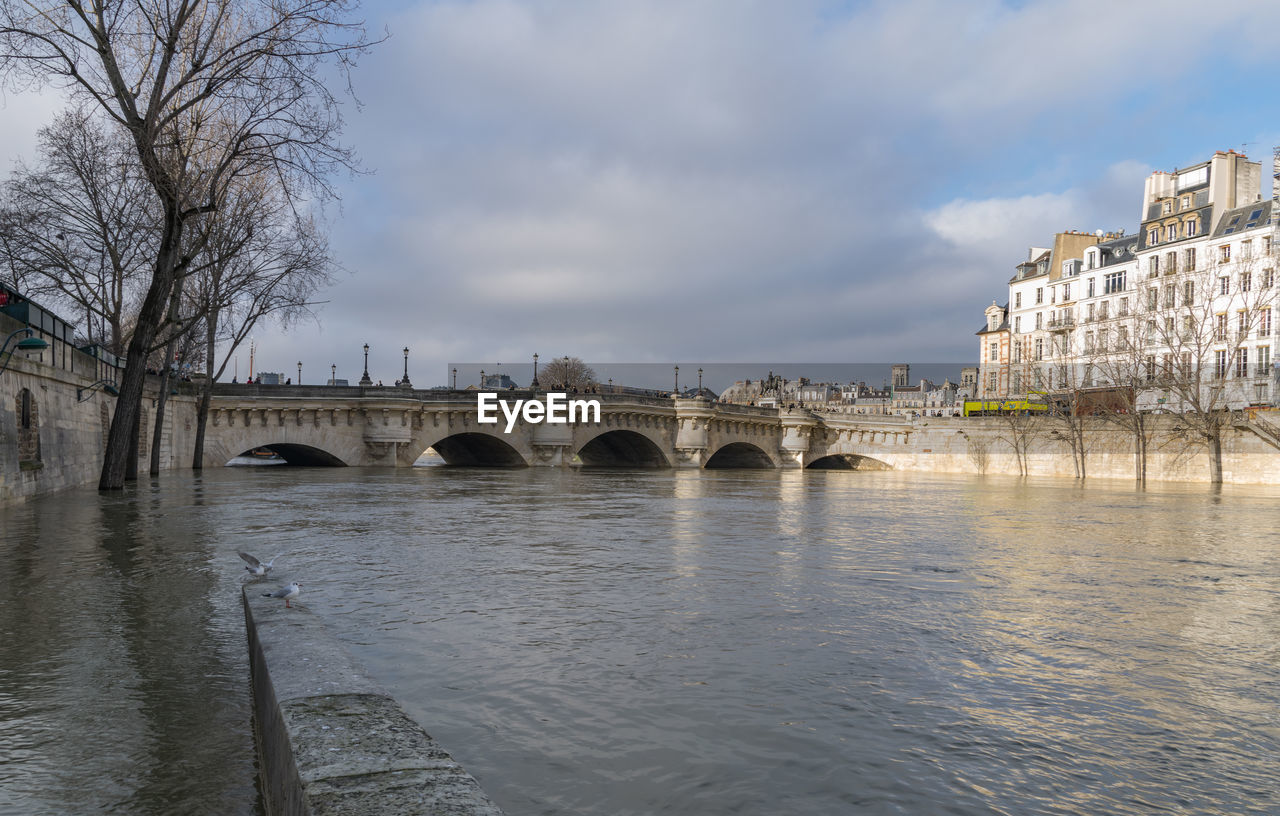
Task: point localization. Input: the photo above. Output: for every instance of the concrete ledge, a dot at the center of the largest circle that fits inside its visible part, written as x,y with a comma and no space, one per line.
330,740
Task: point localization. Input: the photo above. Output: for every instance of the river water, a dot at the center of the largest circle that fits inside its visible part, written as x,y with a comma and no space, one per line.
639,642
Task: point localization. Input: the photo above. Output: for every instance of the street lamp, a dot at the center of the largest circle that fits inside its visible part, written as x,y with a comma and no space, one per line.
676,391
534,384
364,380
455,378
26,344
482,379
299,372
333,374
108,387
699,382
405,382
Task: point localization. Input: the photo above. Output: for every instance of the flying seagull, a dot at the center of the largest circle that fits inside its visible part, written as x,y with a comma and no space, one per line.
255,567
288,593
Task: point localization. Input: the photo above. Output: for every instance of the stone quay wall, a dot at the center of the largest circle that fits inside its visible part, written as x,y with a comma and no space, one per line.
330,740
51,441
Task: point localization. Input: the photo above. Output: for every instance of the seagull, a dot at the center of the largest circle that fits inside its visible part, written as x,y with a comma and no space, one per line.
288,593
255,567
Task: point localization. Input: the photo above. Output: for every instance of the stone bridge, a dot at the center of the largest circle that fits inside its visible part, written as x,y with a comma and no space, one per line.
393,427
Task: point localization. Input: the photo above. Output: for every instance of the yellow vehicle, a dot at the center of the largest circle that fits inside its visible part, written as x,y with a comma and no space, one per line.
1001,407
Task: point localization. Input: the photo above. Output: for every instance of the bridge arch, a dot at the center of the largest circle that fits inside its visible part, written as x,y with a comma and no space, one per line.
622,448
301,455
740,455
472,449
847,461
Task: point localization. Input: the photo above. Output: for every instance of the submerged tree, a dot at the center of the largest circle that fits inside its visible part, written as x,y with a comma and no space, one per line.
208,93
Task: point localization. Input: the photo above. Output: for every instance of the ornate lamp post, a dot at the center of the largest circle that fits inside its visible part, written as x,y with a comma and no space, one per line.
333,374
455,378
534,383
699,382
676,391
299,372
482,379
405,382
364,379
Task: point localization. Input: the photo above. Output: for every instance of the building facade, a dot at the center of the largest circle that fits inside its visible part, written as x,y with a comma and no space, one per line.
1175,315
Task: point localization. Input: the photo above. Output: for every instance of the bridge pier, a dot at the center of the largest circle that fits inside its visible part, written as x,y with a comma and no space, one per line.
552,445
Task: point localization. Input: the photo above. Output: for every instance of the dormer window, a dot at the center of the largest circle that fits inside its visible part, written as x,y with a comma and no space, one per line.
1190,227
1153,236
1171,232
1186,201
1168,207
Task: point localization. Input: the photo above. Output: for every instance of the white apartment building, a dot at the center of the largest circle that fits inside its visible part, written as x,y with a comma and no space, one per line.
1191,296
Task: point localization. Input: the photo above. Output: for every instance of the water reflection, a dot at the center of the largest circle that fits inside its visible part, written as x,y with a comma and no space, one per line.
632,642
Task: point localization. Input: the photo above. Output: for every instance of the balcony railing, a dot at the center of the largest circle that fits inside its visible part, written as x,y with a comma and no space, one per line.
1058,322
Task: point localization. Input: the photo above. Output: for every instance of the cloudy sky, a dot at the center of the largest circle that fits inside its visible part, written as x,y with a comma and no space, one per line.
701,181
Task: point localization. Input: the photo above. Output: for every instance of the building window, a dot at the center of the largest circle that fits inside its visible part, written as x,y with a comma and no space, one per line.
1268,278
1124,307
1224,253
1171,263
1017,300
1017,352
1171,232
1264,323
1017,382
1017,325
1191,227
1169,297
1264,361
1039,348
1066,292
1153,266
993,351
1189,257
1153,236
1242,323
1149,367
1088,313
1188,293
1102,310
1220,328
1113,282
1242,363
1153,296
1122,337
1167,208
1090,289
1246,250
1088,342
1040,295
1039,320
1220,364
993,380
1186,201
28,430
1224,285
1246,281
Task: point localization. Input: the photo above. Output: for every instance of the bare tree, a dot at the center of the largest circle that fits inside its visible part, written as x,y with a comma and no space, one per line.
208,92
1129,380
568,373
1206,325
80,225
259,260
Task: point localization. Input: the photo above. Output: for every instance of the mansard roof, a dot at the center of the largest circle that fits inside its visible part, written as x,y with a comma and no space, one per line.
1257,214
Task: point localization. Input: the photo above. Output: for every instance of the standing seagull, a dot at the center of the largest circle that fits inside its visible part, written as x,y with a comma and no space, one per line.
288,593
255,567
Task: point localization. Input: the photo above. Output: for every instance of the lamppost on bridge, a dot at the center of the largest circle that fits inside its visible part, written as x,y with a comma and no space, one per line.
299,372
676,392
364,379
333,374
482,379
455,378
699,382
405,382
534,383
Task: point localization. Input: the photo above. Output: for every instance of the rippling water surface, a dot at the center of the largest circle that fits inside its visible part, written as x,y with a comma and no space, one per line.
654,642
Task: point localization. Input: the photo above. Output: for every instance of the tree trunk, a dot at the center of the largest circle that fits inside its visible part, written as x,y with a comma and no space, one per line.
158,432
206,390
1215,454
115,461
